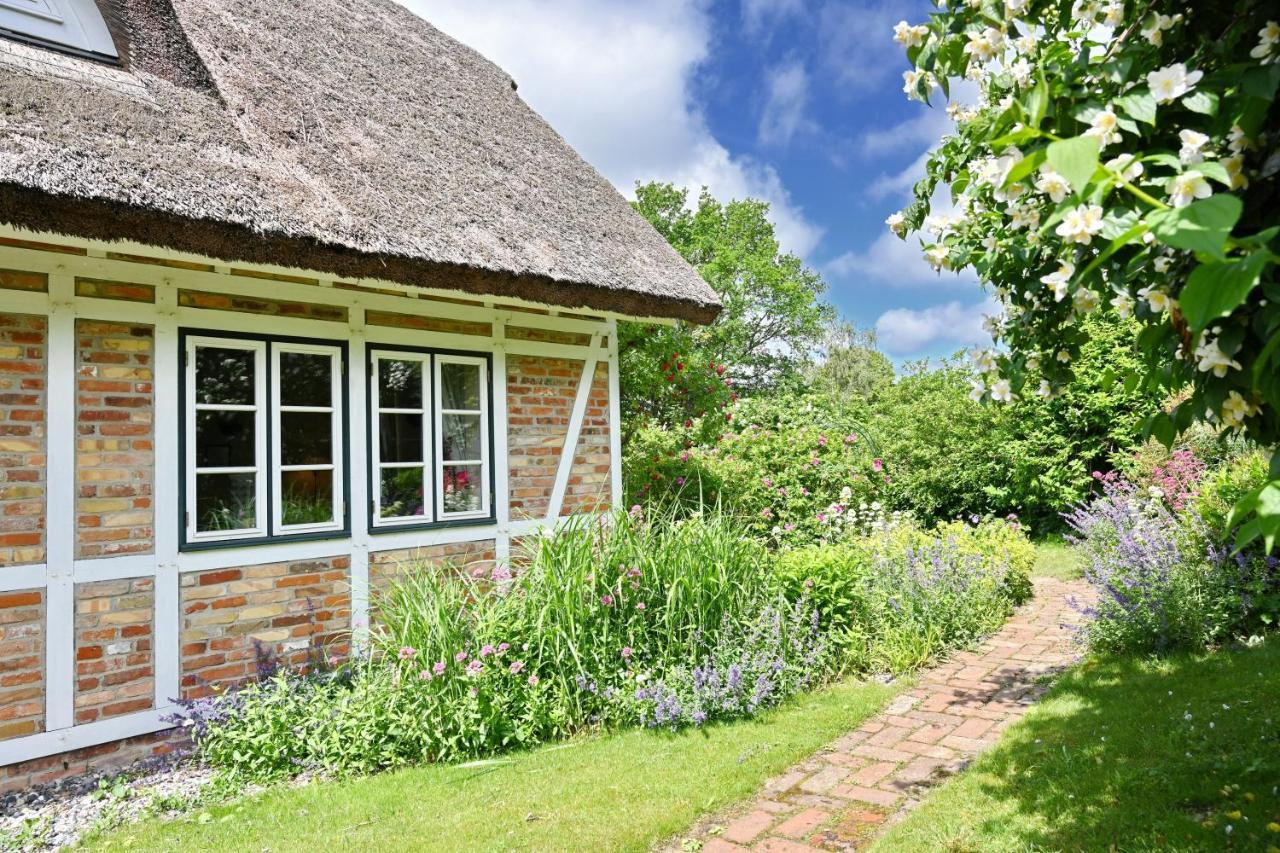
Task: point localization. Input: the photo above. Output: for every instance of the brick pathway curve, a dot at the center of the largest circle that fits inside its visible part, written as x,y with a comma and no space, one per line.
842,795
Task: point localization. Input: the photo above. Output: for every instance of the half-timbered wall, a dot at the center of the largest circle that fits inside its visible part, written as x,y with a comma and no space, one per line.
104,619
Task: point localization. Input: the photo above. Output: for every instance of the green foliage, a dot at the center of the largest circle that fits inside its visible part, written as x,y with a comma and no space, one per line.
849,364
897,600
771,320
1119,154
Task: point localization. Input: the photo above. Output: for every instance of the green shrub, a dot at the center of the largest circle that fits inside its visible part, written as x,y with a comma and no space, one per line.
1221,488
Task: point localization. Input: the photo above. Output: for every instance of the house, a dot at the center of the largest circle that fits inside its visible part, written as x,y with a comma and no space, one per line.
292,296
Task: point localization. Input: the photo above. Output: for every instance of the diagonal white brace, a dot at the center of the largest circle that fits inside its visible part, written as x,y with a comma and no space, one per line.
570,449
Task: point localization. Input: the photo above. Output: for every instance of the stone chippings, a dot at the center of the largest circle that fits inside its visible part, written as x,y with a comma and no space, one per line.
844,794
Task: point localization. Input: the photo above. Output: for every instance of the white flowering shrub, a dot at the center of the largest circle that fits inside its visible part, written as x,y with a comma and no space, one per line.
1118,156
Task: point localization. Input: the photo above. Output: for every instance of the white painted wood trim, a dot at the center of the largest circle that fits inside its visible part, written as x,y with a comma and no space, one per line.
168,599
501,460
615,420
358,432
87,734
60,506
570,449
17,578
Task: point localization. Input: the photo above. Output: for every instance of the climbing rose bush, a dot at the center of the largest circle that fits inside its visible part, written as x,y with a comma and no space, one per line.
1118,157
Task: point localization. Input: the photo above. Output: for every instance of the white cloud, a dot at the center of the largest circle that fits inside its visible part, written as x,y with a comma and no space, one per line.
896,263
856,43
906,331
787,95
760,14
615,79
921,131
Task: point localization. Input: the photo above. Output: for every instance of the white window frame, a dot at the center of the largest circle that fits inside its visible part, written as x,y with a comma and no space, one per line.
258,407
376,411
337,424
437,448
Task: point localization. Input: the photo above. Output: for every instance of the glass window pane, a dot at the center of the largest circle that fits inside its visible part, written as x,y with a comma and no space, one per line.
307,497
399,384
400,438
459,386
306,438
459,437
225,439
306,379
461,488
224,375
401,493
225,502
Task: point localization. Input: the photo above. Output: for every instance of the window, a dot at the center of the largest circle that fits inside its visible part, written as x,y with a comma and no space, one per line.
430,438
263,438
72,26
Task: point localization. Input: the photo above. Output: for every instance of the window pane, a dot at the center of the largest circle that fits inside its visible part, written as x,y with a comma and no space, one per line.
307,497
225,439
306,379
224,375
225,502
400,438
460,437
399,384
461,488
306,438
459,386
401,493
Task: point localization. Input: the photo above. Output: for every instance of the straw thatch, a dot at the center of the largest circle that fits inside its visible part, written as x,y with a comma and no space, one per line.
345,136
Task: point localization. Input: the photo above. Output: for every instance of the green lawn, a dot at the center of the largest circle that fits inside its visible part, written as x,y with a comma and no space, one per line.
1132,755
1056,559
622,792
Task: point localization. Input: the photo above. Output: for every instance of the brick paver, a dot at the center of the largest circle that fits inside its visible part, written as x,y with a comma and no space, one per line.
842,796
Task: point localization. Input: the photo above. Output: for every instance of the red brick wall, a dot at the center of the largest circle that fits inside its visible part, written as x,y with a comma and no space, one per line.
91,759
588,488
286,607
475,558
23,366
21,663
114,439
115,670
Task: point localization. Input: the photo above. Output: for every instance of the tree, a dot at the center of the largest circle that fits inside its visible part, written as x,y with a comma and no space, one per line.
772,318
849,364
1120,155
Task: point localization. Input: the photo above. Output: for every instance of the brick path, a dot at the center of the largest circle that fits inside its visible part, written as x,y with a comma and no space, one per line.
842,795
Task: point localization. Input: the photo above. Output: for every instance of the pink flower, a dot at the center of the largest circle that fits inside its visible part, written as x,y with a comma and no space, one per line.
679,481
533,681
334,660
782,491
788,527
768,483
877,464
475,668
425,675
766,512
804,490
439,668
460,657
633,572
822,441
626,652
407,652
502,648
822,518
850,438
814,462
516,667
606,600
486,650
635,511
684,457
640,605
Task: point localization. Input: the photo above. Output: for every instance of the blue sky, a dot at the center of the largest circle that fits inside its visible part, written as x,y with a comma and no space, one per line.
795,102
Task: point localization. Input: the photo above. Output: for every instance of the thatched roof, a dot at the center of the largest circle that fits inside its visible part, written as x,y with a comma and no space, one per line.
345,136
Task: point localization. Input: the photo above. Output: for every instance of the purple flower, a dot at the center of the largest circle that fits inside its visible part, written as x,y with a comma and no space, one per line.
502,648
679,481
407,652
486,650
533,681
640,605
439,668
460,657
475,668
606,600
626,652
516,667
425,675
877,464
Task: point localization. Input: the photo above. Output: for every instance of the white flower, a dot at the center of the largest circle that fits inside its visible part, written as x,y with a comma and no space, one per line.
1268,38
1157,299
1052,184
984,360
937,257
1123,303
1021,71
1086,12
1001,392
1113,14
1033,362
1085,300
1126,165
1237,140
1104,127
912,80
909,36
1080,224
1023,216
846,493
1060,280
1214,359
1235,171
1045,390
897,224
937,224
1025,44
1155,492
1161,265
1154,25
1172,82
992,325
1186,188
977,390
1193,143
1063,356
1235,409
1014,7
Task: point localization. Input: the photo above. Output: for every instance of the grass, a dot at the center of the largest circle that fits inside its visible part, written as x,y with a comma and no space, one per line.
1133,755
1056,559
620,792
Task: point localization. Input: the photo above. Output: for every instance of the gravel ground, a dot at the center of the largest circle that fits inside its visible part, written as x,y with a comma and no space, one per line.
57,815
